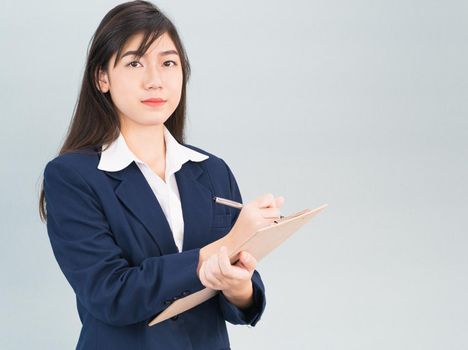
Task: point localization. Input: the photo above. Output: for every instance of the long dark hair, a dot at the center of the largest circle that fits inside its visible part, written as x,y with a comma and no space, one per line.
95,120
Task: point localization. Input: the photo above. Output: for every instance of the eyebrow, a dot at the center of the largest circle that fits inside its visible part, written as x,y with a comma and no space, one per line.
162,53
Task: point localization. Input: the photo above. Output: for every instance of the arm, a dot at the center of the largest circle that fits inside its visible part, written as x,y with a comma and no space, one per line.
104,282
253,306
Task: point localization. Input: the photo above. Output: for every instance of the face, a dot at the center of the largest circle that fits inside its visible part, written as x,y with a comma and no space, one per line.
157,74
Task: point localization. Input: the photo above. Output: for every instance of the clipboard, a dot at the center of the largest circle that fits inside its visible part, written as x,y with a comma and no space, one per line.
259,244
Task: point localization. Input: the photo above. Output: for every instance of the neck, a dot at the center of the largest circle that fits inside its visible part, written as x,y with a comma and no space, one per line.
146,142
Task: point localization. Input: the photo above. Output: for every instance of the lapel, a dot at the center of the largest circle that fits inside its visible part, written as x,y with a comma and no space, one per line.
196,199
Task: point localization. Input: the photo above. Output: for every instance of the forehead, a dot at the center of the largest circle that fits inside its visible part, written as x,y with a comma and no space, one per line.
164,42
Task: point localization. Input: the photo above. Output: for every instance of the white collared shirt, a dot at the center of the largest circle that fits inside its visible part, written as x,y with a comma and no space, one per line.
118,156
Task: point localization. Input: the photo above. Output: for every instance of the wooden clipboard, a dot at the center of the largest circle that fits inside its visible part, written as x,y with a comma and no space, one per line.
259,244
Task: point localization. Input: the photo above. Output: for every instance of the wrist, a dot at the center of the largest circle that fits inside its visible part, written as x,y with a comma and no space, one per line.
241,296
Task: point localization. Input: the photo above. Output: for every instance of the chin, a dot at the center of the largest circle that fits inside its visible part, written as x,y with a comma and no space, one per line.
153,121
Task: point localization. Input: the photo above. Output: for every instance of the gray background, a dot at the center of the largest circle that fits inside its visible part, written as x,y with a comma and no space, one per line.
358,104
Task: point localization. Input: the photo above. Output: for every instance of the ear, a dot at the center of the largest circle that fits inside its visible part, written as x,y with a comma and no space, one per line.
103,81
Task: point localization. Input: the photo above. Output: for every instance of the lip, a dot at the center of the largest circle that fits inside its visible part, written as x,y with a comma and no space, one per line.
154,102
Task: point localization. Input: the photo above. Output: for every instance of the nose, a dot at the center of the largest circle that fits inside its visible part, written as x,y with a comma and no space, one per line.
153,78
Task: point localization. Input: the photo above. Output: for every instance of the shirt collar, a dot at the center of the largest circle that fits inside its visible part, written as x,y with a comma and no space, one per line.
118,156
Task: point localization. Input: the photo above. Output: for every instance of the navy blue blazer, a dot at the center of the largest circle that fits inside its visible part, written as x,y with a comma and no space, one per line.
115,247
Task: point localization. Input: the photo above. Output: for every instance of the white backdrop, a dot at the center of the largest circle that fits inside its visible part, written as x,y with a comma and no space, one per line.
359,104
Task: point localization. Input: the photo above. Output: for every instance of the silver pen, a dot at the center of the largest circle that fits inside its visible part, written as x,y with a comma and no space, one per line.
231,203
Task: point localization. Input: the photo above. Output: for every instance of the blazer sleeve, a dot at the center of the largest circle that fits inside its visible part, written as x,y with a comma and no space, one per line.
232,313
104,282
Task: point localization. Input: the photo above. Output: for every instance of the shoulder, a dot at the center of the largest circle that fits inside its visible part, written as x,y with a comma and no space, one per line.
84,161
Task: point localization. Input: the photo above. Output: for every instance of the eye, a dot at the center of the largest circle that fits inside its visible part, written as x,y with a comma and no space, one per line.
165,63
131,64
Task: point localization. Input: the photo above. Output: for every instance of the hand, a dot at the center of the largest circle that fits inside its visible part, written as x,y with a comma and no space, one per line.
233,280
257,214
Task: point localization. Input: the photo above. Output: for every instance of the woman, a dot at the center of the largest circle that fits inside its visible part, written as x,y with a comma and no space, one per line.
129,207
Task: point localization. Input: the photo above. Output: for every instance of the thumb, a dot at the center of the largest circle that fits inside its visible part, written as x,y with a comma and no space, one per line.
248,260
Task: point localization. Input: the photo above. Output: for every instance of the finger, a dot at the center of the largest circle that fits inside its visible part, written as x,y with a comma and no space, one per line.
237,271
210,272
215,272
240,272
202,276
270,212
279,201
265,200
248,260
224,263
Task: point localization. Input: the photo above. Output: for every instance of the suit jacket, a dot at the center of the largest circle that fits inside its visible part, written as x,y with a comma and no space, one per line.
115,247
